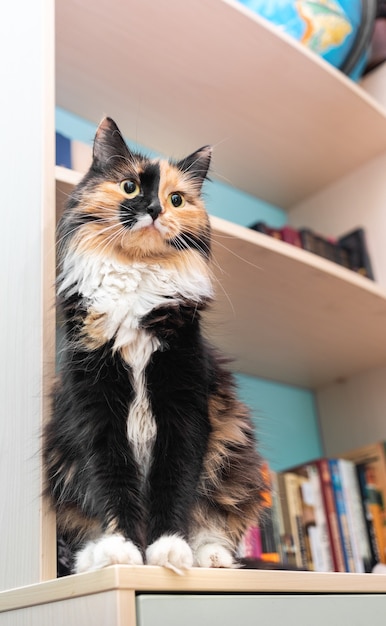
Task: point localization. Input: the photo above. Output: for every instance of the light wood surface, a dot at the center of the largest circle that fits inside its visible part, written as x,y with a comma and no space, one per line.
107,608
283,313
177,75
196,580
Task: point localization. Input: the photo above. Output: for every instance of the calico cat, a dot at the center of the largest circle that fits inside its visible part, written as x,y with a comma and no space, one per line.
149,455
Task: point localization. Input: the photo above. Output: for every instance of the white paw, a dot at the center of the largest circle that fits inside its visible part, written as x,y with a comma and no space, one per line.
379,568
213,555
170,551
108,550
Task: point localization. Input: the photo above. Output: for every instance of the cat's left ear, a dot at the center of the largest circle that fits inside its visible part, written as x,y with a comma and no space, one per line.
196,165
109,145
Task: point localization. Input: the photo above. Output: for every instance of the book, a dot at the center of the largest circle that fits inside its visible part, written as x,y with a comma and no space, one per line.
321,548
269,533
355,515
354,244
372,512
288,547
342,516
292,485
63,150
291,235
250,545
277,517
323,468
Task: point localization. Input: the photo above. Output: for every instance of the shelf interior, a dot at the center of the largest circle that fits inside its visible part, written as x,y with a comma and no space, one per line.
179,75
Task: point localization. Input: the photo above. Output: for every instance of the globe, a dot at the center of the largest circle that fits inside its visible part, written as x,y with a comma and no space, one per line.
339,31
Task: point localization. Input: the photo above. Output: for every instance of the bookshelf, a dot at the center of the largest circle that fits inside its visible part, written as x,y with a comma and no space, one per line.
286,136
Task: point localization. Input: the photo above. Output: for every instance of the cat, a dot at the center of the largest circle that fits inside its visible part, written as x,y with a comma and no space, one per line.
150,458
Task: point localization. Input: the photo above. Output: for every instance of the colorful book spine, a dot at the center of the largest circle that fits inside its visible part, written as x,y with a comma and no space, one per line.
287,539
250,546
357,525
292,484
318,532
63,150
323,468
342,516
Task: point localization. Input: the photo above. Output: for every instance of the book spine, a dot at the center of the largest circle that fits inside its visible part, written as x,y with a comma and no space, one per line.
360,518
287,540
331,515
63,151
353,522
319,536
250,547
368,515
296,518
342,516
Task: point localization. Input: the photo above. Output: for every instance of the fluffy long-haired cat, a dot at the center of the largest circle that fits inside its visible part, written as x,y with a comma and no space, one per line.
149,455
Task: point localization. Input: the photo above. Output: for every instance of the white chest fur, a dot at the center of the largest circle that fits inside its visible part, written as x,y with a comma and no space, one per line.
124,294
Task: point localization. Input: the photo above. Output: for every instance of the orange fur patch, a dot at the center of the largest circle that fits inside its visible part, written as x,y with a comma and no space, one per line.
108,236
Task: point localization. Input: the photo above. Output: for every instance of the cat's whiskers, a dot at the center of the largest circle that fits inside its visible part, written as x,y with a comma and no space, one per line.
257,267
213,262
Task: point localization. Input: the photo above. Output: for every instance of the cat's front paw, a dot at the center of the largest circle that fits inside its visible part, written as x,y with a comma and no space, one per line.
170,551
108,550
213,555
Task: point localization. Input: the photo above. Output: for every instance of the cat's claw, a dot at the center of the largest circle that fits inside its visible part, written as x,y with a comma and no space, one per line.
170,551
213,555
108,550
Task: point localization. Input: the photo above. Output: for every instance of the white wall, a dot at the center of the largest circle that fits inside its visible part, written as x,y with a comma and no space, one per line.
26,48
358,199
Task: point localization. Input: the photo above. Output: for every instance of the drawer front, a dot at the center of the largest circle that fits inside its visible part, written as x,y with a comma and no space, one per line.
261,610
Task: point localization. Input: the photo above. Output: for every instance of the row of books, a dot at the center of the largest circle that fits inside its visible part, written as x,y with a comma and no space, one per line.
327,515
349,250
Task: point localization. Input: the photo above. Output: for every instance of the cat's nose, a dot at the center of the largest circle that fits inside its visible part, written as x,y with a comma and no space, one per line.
154,209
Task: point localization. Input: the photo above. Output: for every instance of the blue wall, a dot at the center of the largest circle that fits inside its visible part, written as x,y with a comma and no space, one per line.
220,199
285,417
286,421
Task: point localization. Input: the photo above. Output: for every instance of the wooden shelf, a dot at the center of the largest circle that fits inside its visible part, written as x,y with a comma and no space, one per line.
196,580
283,313
178,75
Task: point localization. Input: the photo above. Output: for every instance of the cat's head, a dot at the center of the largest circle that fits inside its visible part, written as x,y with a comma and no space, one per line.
131,207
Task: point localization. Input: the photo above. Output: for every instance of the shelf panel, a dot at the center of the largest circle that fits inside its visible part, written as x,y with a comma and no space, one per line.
291,316
283,313
196,580
177,75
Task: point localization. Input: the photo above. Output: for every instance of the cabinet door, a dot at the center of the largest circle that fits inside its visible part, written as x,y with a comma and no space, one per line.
260,610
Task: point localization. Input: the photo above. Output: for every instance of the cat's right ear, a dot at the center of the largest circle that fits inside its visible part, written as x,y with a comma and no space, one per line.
109,145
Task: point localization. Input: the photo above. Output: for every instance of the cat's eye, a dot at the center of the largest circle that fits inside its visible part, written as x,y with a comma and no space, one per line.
176,199
130,188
